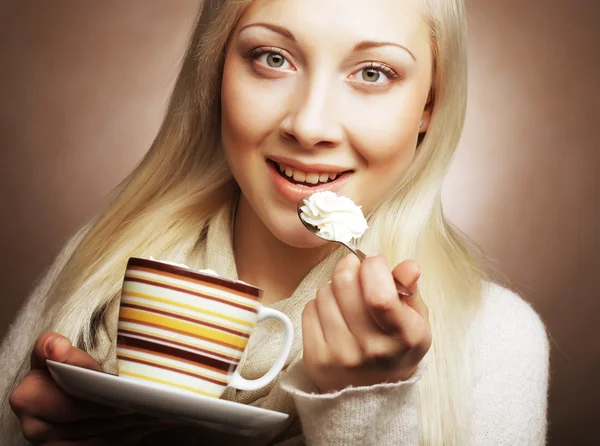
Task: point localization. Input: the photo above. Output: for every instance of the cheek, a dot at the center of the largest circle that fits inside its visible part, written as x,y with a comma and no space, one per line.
251,110
236,122
385,133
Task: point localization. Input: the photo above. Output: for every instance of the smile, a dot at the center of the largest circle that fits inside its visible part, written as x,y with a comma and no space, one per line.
296,182
309,179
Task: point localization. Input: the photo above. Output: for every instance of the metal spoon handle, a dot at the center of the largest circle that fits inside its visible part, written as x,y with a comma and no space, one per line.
402,290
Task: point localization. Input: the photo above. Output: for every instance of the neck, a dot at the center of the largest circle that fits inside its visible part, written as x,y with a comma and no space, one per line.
265,261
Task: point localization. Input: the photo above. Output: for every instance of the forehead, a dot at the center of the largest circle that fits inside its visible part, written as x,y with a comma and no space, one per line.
344,21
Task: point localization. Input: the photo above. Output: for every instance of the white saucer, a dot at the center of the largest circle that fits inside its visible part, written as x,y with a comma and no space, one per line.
155,400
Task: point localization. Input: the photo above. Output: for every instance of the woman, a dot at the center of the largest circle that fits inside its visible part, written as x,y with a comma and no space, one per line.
274,99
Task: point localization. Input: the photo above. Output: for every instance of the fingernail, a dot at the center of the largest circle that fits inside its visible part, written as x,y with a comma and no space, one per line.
50,343
373,254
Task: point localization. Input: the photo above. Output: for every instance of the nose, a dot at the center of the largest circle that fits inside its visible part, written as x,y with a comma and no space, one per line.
314,119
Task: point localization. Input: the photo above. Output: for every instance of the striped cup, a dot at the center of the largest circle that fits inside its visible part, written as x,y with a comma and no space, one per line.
188,330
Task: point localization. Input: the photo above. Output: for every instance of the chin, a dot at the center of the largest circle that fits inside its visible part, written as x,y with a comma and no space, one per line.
297,236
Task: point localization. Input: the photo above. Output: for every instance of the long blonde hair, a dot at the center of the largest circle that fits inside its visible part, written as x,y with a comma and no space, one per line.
411,224
164,206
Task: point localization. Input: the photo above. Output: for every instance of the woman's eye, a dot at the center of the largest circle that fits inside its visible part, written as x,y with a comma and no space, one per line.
376,74
372,75
273,60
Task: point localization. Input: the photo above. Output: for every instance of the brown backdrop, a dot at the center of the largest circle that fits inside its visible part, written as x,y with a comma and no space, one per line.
83,86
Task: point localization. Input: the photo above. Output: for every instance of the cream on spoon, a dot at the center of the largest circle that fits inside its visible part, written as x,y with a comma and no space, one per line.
336,219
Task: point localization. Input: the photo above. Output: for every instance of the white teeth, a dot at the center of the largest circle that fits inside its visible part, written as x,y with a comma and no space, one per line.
306,177
312,178
299,176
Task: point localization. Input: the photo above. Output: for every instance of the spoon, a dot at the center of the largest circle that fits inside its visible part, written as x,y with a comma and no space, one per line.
402,290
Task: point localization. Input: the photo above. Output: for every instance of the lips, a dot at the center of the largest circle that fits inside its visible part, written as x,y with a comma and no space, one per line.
295,182
298,176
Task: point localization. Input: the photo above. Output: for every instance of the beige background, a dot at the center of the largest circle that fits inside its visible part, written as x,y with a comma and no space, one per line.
82,90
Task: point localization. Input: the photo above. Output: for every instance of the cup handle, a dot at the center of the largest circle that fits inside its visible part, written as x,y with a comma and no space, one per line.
254,384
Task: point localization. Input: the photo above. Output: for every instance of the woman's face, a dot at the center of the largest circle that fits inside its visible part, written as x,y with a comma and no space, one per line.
323,95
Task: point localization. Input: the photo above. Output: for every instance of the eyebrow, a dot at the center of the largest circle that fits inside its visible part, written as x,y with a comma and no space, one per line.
367,44
278,29
361,46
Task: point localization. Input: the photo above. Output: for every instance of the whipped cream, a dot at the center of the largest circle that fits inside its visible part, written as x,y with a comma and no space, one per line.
209,272
337,218
183,265
204,271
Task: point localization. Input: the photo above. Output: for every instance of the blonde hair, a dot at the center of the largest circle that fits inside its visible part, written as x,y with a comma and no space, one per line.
164,206
411,225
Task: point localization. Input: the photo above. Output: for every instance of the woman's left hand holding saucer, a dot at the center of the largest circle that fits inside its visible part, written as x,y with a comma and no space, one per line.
51,417
359,331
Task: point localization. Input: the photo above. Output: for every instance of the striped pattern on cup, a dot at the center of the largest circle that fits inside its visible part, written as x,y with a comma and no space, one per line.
181,328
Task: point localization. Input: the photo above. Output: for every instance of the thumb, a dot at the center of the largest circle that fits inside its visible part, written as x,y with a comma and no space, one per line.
59,348
408,273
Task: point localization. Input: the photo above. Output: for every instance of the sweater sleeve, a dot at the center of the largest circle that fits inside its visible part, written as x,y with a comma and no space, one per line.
384,414
16,345
509,357
510,363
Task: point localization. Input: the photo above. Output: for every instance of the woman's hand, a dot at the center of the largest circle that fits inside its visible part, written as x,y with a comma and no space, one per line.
51,417
359,331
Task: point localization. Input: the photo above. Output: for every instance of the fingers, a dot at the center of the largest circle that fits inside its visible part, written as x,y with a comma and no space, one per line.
358,331
39,355
37,430
130,436
50,416
408,273
38,396
387,309
58,348
343,346
345,284
335,330
313,337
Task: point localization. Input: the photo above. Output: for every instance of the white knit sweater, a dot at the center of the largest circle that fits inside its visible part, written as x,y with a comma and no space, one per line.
509,357
510,360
